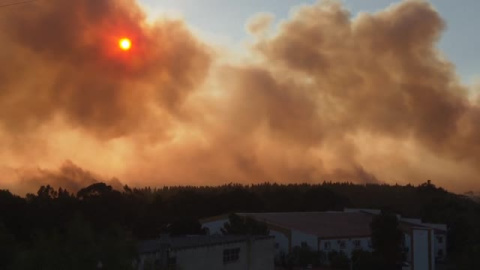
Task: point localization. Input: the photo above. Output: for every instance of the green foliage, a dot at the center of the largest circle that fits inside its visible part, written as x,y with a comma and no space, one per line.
387,239
469,259
77,249
7,247
338,260
238,225
364,260
304,256
185,226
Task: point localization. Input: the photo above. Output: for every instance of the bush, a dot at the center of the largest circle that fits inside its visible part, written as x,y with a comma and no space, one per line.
364,260
338,260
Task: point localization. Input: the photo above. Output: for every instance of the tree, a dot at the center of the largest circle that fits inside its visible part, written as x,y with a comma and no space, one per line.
338,260
364,260
94,190
7,247
387,239
238,225
304,256
79,248
186,226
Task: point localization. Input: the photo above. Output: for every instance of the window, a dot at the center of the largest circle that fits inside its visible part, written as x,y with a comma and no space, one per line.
370,244
341,244
327,245
304,245
231,255
357,244
277,245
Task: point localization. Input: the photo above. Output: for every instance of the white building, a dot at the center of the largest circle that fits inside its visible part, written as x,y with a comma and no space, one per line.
207,252
345,232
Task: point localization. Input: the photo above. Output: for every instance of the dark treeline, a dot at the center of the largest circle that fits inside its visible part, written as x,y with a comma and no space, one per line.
106,215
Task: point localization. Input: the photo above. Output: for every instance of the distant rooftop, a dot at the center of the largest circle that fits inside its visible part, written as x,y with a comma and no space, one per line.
349,223
321,224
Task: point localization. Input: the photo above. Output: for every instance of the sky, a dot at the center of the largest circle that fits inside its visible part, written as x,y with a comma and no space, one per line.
227,19
239,92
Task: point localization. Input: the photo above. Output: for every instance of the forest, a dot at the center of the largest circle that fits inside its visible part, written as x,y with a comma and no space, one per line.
56,227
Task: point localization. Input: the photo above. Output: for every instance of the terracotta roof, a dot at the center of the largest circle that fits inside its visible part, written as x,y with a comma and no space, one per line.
321,224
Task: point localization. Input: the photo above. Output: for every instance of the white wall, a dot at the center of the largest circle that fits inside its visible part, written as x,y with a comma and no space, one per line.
432,249
147,261
254,255
299,237
408,247
262,255
281,240
214,227
420,249
349,245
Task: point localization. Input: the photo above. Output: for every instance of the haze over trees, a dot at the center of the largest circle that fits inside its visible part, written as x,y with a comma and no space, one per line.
104,221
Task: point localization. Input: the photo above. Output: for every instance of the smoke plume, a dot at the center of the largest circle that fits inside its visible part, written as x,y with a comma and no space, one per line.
324,96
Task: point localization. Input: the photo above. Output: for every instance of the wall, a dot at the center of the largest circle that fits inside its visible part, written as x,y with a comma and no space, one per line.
147,261
254,255
214,227
281,242
421,249
262,255
299,237
408,247
349,245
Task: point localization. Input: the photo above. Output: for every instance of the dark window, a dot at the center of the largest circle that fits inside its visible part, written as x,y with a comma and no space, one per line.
304,244
342,244
277,245
231,255
327,245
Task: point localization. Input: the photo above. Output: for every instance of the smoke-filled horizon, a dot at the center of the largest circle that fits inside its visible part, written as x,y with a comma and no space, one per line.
323,97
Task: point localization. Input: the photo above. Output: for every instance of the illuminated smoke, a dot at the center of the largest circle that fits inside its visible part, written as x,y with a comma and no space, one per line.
328,97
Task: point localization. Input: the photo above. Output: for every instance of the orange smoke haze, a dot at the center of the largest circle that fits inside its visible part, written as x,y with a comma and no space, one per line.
323,97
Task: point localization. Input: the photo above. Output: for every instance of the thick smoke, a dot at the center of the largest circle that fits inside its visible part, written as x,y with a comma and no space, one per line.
323,97
68,176
64,62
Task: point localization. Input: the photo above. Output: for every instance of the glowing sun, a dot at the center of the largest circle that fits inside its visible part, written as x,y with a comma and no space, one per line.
125,44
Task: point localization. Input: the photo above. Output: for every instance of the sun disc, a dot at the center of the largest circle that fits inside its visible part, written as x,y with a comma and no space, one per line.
125,44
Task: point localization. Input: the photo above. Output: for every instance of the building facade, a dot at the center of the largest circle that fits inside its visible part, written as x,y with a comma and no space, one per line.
207,252
345,232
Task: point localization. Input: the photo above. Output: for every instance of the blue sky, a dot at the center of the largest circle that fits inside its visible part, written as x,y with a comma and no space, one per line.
226,18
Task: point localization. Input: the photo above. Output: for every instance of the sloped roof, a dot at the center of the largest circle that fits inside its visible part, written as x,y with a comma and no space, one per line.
321,224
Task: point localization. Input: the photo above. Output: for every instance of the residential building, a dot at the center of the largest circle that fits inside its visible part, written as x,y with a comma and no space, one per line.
345,232
207,252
